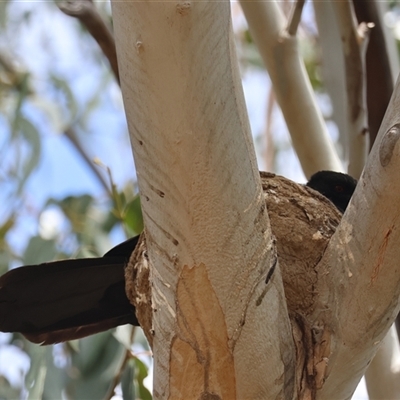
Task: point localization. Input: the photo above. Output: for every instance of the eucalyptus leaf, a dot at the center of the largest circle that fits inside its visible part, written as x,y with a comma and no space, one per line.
22,93
141,374
98,381
133,217
63,86
127,381
54,382
36,375
6,226
31,135
76,209
39,250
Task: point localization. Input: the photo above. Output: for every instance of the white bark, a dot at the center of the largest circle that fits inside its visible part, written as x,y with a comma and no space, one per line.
333,72
207,231
391,47
281,57
383,374
359,279
354,42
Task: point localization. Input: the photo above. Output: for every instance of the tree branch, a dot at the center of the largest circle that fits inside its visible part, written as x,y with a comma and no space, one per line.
292,87
88,15
201,193
359,280
382,376
354,42
295,18
71,136
378,59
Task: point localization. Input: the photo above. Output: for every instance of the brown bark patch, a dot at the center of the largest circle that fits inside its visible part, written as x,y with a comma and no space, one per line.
138,287
381,255
200,353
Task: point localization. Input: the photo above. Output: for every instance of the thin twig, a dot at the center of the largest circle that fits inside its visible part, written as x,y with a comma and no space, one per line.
295,18
270,151
71,136
87,13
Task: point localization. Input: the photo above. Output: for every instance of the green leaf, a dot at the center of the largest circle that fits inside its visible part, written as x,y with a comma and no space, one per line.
76,209
133,217
110,221
7,225
36,376
127,381
22,94
31,134
63,86
96,378
54,382
141,374
89,351
39,250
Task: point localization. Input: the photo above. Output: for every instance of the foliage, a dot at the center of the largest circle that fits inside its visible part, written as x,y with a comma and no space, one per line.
44,109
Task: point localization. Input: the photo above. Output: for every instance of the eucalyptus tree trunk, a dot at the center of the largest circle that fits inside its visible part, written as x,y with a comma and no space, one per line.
232,313
208,237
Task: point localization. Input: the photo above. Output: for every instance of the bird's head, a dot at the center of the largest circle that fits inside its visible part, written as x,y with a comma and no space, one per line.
337,187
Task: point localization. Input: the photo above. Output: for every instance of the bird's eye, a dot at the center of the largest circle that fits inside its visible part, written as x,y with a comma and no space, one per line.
339,188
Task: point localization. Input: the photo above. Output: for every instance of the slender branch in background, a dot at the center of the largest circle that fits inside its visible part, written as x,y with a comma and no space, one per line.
269,151
354,43
88,15
71,136
332,68
379,56
295,18
292,87
118,375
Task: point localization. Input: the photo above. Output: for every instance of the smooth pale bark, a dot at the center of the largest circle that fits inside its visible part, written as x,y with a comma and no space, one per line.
359,276
292,87
383,374
207,230
332,63
382,8
381,381
354,41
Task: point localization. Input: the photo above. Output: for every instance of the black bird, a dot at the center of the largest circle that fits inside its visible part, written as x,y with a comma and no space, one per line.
337,187
71,299
68,299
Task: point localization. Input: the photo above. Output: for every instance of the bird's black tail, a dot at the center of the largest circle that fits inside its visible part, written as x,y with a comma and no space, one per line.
68,299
